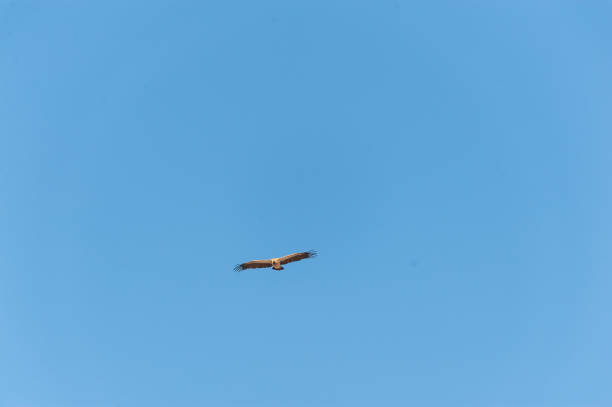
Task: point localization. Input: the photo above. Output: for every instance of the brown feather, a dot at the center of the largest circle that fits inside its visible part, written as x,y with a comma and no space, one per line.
297,256
255,264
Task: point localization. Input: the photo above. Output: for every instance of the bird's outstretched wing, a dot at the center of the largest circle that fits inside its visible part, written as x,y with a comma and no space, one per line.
297,256
254,264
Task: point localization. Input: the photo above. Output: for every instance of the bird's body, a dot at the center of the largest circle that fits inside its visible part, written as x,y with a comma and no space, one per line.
276,263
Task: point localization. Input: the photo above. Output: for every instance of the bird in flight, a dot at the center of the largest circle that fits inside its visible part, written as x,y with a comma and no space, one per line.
276,263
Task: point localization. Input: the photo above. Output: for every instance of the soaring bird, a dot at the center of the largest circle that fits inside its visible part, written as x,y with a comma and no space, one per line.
276,263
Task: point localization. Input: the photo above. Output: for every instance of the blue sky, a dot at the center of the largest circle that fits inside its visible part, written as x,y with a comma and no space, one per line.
450,161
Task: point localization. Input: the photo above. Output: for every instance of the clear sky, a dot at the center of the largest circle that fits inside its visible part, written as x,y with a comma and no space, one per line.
450,161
